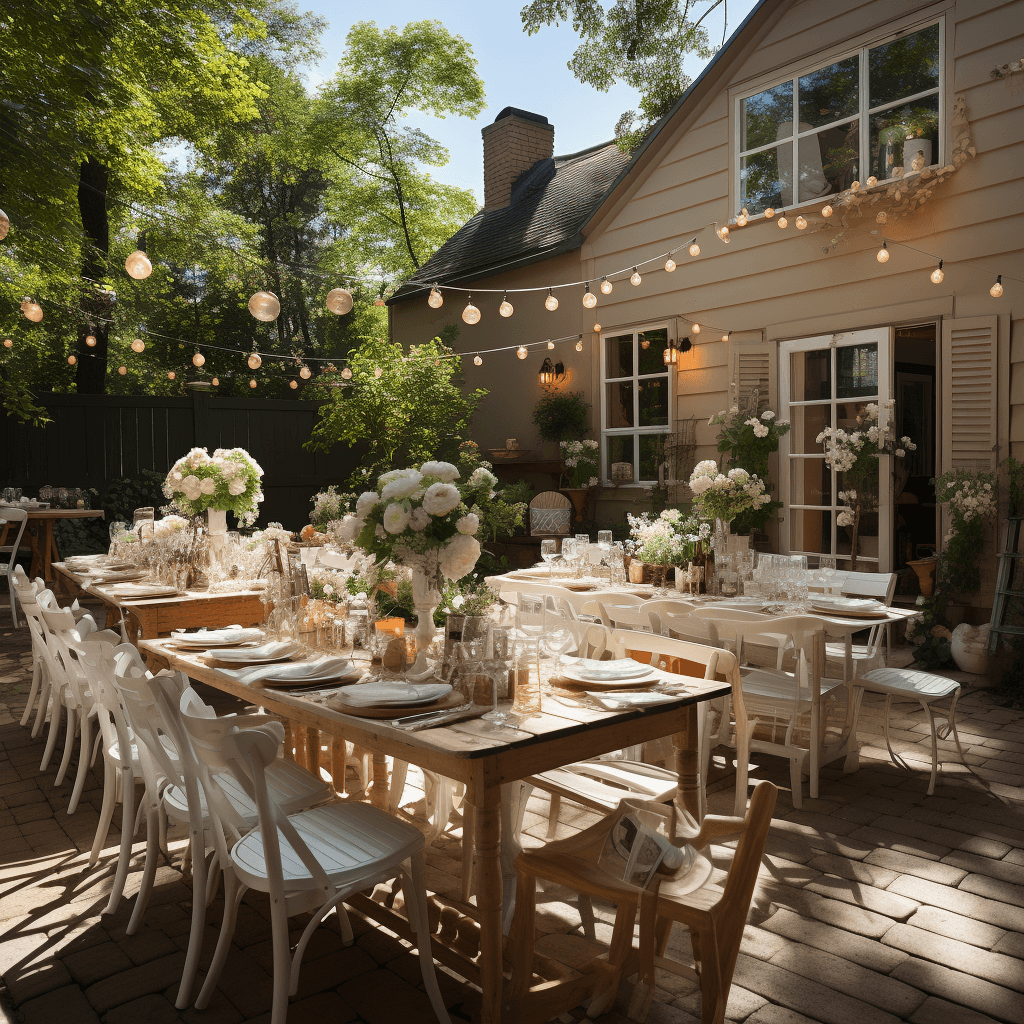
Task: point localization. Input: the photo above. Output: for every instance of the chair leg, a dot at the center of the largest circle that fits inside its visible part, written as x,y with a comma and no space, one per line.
416,908
553,812
643,991
282,961
124,857
622,942
712,999
196,856
44,702
468,831
33,693
399,773
69,745
796,781
51,739
149,870
106,811
935,747
233,893
85,751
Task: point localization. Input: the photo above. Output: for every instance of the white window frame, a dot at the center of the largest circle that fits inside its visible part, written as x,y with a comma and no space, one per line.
636,431
864,113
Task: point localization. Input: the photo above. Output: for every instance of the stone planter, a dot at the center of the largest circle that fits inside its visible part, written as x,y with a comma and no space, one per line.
969,648
578,497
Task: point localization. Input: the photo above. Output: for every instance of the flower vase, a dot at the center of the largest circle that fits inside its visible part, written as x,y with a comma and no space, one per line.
854,532
425,599
578,497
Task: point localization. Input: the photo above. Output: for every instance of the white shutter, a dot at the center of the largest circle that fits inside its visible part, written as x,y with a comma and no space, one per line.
969,409
749,371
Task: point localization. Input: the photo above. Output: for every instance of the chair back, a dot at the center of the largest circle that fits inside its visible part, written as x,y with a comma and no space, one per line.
881,585
13,514
663,614
614,608
96,659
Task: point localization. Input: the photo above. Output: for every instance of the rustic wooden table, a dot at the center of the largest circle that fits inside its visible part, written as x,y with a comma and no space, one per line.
44,547
486,758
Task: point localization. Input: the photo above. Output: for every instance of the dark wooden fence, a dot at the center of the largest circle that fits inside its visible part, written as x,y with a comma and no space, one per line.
95,439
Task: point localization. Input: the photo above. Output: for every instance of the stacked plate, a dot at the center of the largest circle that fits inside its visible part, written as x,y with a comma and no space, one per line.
263,654
623,674
209,639
848,607
392,694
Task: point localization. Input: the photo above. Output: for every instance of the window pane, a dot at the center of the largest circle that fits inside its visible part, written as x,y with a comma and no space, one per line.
811,375
809,530
652,345
902,135
762,116
620,355
808,422
810,482
828,161
654,402
620,405
857,371
846,414
904,67
829,94
620,449
759,178
652,455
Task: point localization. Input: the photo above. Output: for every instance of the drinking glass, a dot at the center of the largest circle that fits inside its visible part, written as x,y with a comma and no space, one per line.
618,562
45,492
558,638
604,538
549,551
568,550
826,570
17,494
499,663
8,494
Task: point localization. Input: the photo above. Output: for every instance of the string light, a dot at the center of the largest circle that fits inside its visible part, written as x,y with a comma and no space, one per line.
783,221
551,344
252,383
138,266
826,210
694,249
347,373
696,328
722,230
801,222
550,302
521,352
255,360
606,286
741,220
769,213
670,264
471,314
872,181
590,299
505,309
883,254
937,275
478,360
122,370
434,299
293,384
8,343
339,301
597,330
32,310
171,375
725,337
72,360
305,373
215,382
90,340
198,359
138,345
635,278
579,345
997,289
265,306
855,186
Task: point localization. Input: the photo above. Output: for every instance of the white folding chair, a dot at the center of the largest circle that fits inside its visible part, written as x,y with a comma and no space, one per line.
664,614
18,517
616,610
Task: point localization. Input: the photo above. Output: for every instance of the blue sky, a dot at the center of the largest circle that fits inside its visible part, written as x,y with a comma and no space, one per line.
517,70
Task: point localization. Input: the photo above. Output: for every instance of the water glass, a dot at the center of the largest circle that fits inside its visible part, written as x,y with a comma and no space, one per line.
549,551
8,494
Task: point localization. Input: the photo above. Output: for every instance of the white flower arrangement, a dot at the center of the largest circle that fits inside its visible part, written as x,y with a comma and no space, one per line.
227,481
669,539
718,495
580,459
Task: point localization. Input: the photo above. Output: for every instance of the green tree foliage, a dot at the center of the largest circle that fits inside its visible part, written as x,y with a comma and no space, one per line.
638,42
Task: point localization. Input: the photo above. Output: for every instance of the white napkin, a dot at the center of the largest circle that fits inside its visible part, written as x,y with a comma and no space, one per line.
366,695
297,671
616,701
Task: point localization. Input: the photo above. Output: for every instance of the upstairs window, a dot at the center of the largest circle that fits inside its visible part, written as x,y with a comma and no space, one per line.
866,114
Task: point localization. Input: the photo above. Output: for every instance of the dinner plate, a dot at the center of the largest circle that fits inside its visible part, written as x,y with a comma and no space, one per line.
636,683
846,604
754,603
453,699
205,639
330,671
623,668
395,694
143,590
265,654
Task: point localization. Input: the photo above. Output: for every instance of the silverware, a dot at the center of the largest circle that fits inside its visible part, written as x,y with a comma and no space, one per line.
429,714
440,718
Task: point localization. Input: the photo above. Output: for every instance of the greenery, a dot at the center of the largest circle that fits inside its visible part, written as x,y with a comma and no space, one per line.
329,506
930,634
561,416
915,123
580,462
468,596
972,499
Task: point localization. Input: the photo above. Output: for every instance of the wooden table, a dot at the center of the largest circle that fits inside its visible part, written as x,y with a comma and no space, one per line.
156,616
486,758
40,539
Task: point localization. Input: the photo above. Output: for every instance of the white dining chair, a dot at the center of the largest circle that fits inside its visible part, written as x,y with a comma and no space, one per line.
616,610
664,614
714,614
17,517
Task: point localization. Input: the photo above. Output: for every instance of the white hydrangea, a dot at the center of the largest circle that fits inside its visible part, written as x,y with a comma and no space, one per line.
236,487
419,520
401,486
443,471
482,478
459,556
191,487
208,485
366,501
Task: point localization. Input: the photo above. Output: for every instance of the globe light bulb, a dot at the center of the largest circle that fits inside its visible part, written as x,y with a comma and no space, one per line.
551,344
293,384
696,328
478,360
8,343
997,289
854,186
589,298
252,383
347,373
138,265
339,301
305,373
72,360
33,311
5,225
783,221
725,337
872,181
198,359
741,221
90,340
216,382
171,375
122,370
597,328
521,352
769,212
826,211
471,314
579,345
255,361
937,275
801,223
606,286
694,249
505,309
670,264
265,306
550,303
138,345
635,278
723,232
883,254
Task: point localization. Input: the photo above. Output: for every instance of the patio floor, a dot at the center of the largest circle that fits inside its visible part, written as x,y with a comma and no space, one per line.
877,903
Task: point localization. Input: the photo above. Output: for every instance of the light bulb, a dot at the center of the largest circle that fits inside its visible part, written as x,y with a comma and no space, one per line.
138,265
694,249
255,361
5,225
377,371
645,344
589,298
215,382
171,375
937,275
826,210
265,306
997,289
670,264
855,186
347,373
252,383
597,328
305,373
293,384
471,314
635,278
606,286
90,340
521,352
505,309
883,254
723,232
72,360
783,221
579,345
550,303
872,181
725,337
801,223
198,359
696,328
769,213
33,311
551,344
478,360
8,343
122,370
435,299
741,221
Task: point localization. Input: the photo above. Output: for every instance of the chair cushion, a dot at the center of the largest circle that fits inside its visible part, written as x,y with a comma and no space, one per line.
908,681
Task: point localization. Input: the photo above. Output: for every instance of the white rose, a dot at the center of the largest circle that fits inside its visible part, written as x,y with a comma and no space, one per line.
350,528
482,478
443,471
190,485
328,589
366,501
440,499
207,485
468,524
767,415
396,518
900,453
459,556
419,520
236,487
176,477
402,486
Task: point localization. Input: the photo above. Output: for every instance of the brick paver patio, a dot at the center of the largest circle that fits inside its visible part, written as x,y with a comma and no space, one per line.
877,903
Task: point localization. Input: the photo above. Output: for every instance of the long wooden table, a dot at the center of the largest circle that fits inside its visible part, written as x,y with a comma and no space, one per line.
485,758
40,539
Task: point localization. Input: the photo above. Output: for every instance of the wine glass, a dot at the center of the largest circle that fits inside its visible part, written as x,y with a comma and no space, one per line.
826,570
604,538
498,668
8,495
549,551
558,637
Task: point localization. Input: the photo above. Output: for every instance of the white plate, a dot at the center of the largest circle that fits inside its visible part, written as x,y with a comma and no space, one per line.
611,684
846,604
623,668
643,698
265,654
741,602
327,671
397,694
207,639
143,590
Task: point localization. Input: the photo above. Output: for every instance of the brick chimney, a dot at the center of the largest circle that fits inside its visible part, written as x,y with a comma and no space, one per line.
512,144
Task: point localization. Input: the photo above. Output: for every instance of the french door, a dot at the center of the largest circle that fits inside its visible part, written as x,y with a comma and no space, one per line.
828,381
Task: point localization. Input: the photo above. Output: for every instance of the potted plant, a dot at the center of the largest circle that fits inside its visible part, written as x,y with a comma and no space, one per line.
579,462
908,135
561,416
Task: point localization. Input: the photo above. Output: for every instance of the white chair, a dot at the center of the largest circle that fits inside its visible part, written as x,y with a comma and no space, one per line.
310,861
664,614
28,593
714,615
616,610
13,517
867,655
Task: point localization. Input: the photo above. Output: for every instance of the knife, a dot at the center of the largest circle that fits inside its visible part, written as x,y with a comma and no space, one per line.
430,719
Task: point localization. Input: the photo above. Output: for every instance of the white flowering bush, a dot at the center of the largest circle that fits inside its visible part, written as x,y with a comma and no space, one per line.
972,498
227,481
718,495
668,539
580,459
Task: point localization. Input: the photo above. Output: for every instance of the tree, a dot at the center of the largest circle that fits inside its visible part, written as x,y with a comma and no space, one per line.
639,42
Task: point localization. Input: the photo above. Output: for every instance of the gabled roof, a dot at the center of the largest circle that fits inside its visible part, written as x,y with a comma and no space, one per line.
550,203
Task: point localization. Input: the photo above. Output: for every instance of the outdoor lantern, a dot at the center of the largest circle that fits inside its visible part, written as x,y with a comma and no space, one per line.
723,232
589,298
198,359
216,382
597,328
670,264
8,343
478,360
883,254
521,352
635,278
783,221
32,310
90,340
265,306
826,210
255,361
505,309
550,303
138,265
741,220
122,370
579,345
696,328
252,383
694,249
346,373
305,373
550,374
551,344
72,360
435,299
769,212
138,345
606,286
339,300
171,375
293,383
801,223
937,275
997,289
471,314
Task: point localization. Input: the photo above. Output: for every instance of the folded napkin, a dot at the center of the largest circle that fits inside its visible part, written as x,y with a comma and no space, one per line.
297,671
617,701
367,695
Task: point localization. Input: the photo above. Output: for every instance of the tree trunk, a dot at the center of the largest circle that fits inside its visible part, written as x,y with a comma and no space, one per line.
91,375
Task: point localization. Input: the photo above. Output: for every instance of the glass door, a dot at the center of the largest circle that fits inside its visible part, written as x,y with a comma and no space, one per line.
828,381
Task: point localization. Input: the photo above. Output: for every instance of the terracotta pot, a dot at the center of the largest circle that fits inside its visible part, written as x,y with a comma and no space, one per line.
925,569
578,497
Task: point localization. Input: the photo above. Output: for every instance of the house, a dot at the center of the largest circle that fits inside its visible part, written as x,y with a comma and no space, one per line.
823,294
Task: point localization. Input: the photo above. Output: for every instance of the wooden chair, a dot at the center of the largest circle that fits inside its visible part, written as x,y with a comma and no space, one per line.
12,517
868,655
715,915
550,515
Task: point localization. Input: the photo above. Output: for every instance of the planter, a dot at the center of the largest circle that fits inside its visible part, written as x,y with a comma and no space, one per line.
425,599
578,497
646,574
916,149
969,647
925,570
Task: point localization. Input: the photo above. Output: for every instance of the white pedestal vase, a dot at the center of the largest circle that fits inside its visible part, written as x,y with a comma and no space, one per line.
216,531
425,599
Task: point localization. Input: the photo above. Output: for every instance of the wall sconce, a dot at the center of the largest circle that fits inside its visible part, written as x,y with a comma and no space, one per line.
551,373
674,349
